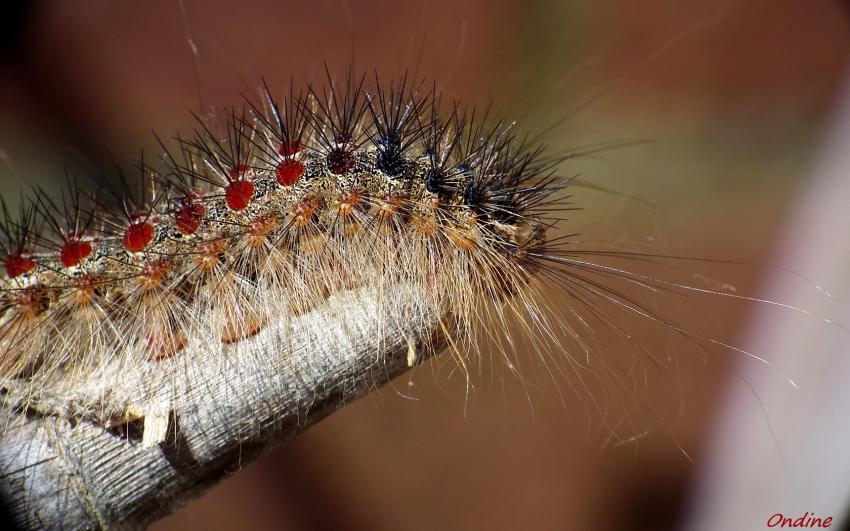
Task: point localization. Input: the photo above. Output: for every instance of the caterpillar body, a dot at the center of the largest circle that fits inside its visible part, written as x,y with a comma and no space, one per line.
343,221
263,219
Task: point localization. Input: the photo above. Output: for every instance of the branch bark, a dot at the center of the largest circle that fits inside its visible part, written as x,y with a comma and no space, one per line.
59,472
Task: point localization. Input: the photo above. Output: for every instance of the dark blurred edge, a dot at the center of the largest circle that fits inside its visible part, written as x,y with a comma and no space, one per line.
13,23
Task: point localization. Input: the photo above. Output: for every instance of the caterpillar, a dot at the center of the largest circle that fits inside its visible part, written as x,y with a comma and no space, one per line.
263,215
264,218
297,210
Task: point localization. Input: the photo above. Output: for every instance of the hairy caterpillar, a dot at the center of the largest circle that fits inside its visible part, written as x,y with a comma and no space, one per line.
118,305
322,194
333,194
121,64
177,205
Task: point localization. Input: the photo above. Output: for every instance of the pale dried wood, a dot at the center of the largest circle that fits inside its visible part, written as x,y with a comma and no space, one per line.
56,473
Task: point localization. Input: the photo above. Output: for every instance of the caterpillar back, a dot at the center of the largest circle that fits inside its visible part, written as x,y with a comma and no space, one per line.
263,216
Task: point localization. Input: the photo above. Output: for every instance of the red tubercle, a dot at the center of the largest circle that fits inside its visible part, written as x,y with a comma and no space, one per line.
240,190
138,236
74,251
289,171
238,194
289,148
190,214
17,264
340,160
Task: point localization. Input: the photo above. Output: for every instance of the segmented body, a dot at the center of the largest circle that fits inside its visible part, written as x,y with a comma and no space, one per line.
267,219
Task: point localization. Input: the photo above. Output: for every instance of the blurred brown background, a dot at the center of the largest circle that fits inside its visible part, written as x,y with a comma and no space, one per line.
731,96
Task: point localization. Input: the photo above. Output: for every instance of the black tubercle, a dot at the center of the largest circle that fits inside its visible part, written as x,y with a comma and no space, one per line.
390,155
472,197
434,180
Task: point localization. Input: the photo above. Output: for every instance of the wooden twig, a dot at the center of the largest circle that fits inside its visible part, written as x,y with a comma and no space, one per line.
59,472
